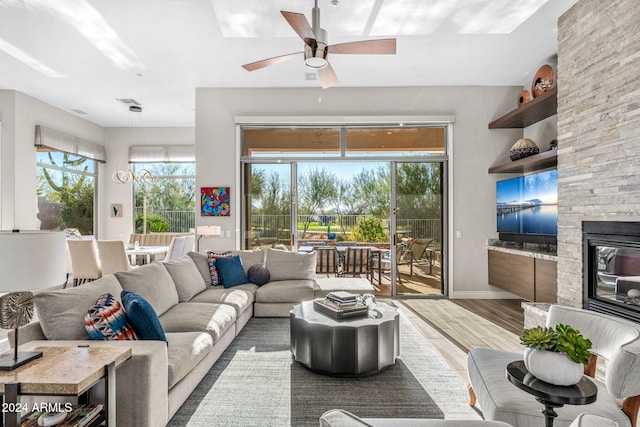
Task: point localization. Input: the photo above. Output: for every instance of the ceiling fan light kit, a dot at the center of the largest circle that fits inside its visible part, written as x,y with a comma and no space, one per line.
317,48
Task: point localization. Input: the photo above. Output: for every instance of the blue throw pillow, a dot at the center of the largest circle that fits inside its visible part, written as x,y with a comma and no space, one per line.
142,316
231,271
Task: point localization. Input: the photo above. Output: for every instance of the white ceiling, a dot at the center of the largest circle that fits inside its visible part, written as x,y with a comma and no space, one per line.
84,54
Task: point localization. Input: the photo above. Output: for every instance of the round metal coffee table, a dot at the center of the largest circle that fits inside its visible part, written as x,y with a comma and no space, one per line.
345,347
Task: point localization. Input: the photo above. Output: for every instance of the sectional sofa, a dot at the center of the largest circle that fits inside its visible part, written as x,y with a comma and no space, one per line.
199,320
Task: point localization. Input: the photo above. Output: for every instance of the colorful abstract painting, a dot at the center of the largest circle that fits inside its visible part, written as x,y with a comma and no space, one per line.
214,201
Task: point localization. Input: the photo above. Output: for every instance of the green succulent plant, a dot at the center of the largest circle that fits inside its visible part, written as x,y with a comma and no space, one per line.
560,339
540,338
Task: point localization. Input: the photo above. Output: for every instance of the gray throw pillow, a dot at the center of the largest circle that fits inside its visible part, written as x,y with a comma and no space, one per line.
285,265
186,277
61,312
201,261
153,283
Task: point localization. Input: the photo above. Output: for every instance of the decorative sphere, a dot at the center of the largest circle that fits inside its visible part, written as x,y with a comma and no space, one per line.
258,274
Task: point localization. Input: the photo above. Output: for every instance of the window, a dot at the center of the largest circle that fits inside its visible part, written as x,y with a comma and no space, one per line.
165,197
65,189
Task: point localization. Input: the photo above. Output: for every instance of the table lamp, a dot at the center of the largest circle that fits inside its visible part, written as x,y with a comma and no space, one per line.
29,260
207,230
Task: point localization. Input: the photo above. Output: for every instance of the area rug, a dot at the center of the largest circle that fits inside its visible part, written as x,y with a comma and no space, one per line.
257,383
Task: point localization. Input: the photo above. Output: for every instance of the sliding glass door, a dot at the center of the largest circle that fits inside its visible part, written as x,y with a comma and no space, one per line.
381,188
419,201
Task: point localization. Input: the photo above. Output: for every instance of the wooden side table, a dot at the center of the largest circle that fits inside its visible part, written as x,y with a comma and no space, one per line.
551,396
64,371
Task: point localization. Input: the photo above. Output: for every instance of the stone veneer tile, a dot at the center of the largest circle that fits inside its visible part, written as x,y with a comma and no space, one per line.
598,127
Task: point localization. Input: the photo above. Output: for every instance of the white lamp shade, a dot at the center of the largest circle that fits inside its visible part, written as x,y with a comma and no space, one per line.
209,230
31,260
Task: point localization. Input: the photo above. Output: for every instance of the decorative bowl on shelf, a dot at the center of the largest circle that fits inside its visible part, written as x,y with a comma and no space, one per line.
542,81
523,147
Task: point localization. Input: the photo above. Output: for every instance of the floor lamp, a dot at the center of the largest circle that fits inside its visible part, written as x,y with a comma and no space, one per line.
207,230
29,260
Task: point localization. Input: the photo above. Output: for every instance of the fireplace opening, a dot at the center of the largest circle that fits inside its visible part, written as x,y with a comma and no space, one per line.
611,264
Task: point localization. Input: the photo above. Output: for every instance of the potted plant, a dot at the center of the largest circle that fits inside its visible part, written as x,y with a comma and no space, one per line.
556,355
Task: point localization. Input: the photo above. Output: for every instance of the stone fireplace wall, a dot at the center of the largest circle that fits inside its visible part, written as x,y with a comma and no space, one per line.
598,127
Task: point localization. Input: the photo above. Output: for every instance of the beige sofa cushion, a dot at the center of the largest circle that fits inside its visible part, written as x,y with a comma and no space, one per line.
285,265
239,297
199,317
285,291
186,278
61,312
185,351
250,257
201,260
153,283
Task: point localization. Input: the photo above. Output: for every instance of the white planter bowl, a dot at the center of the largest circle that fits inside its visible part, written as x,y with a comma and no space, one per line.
553,368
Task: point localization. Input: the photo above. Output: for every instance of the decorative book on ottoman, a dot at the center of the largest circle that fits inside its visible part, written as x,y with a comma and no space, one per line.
331,310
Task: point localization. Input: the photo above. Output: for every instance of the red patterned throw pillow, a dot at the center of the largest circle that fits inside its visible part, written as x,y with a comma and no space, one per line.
106,320
215,277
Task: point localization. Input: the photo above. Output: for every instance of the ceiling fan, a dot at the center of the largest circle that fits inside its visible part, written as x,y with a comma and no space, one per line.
317,48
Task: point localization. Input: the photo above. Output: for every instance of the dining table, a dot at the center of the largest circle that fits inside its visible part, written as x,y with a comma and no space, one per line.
145,253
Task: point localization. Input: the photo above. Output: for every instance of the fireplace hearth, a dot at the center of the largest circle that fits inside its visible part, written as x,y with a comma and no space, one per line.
611,264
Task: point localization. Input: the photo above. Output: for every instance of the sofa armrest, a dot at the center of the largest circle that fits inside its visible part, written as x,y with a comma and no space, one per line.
141,382
27,333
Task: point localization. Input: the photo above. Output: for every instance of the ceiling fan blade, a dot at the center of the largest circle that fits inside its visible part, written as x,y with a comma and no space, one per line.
328,77
269,61
300,25
379,47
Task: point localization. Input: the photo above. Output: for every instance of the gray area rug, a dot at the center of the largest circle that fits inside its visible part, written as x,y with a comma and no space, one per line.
257,383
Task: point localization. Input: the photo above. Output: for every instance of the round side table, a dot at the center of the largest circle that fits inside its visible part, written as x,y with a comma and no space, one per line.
551,396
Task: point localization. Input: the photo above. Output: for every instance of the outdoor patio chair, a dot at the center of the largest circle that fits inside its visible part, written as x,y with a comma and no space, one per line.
357,262
326,260
416,252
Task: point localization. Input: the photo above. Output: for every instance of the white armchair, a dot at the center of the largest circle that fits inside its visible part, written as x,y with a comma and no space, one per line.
614,339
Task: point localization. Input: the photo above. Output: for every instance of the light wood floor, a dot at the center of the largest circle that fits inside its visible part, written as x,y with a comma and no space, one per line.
456,326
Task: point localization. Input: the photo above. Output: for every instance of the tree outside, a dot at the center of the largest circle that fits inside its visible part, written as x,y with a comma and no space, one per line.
65,192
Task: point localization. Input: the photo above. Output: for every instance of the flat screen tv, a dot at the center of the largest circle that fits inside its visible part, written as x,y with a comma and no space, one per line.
527,208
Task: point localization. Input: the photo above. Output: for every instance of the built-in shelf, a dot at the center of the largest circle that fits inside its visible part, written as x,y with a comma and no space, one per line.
537,109
545,160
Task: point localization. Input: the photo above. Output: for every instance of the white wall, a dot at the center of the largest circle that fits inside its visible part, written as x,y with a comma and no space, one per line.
475,149
20,114
117,144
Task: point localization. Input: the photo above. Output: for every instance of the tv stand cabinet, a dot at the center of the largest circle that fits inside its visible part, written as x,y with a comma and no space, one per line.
529,275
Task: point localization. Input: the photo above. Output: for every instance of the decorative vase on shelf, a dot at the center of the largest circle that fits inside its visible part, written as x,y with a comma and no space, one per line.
523,147
552,367
542,81
523,98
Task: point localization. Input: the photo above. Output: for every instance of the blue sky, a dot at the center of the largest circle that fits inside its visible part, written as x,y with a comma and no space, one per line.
542,185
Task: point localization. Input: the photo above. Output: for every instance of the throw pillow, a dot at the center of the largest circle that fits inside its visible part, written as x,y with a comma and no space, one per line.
106,320
213,269
142,316
258,274
231,271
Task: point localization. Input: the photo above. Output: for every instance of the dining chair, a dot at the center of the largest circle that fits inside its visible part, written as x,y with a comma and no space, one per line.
113,257
357,261
189,244
85,264
175,248
326,260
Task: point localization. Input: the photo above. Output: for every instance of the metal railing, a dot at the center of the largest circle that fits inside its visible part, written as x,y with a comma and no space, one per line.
181,221
280,225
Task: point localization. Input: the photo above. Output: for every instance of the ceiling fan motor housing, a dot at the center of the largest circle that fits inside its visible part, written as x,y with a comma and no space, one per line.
315,54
